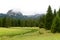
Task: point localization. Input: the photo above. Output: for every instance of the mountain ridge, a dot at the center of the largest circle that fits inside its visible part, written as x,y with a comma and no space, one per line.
18,15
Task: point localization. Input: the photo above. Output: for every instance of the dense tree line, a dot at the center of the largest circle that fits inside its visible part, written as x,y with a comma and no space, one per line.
12,22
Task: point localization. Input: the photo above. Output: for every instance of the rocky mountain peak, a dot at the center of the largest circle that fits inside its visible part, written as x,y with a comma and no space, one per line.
14,12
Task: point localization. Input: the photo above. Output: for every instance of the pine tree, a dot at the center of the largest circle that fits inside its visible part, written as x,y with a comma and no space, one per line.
49,18
54,12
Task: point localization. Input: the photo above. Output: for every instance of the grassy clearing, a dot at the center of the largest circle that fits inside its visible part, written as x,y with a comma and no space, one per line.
15,31
28,34
46,35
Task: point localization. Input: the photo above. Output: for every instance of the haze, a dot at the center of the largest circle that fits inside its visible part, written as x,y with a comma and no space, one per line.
28,7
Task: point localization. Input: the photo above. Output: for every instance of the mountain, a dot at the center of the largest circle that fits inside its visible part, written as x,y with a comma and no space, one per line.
18,15
2,15
36,16
14,13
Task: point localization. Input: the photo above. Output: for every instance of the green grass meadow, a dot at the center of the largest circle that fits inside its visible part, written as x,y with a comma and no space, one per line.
27,33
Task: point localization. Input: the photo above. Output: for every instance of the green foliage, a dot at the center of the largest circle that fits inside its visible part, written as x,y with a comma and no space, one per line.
11,22
56,23
49,18
42,21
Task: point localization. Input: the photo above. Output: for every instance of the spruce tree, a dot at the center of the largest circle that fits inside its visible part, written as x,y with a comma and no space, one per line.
49,18
54,12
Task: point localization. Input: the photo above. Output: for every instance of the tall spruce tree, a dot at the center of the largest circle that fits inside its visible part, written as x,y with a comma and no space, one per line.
54,12
49,18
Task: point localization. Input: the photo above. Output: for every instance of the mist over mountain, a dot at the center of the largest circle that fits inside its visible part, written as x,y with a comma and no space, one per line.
18,15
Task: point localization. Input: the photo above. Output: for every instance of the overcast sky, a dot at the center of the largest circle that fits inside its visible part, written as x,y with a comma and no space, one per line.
28,7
